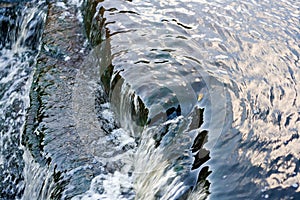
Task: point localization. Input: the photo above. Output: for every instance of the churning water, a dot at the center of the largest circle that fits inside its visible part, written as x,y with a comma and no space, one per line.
149,99
21,28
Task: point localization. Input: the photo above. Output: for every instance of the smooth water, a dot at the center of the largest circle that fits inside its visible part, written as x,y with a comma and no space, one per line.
150,100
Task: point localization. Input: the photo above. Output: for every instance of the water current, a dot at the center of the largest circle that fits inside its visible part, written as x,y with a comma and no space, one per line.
149,100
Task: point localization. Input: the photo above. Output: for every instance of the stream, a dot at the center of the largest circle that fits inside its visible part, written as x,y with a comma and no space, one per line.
131,99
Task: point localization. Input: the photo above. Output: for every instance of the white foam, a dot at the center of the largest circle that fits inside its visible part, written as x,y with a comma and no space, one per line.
108,187
61,4
221,56
108,115
64,15
77,3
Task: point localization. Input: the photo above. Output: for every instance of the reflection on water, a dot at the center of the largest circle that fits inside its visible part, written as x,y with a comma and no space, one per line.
260,44
252,48
207,94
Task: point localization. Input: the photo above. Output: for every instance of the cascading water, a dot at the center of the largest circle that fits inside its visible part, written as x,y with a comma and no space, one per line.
21,25
149,87
149,99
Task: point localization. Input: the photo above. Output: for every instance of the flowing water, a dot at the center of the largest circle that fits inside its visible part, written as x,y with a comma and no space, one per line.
149,99
21,27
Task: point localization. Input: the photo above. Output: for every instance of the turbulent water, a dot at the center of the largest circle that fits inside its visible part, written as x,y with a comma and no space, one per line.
149,99
21,27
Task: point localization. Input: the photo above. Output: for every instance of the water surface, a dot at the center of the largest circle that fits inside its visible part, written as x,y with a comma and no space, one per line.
164,100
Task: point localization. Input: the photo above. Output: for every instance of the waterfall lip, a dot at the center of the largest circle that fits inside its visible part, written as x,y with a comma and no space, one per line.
161,88
178,98
149,91
213,96
125,97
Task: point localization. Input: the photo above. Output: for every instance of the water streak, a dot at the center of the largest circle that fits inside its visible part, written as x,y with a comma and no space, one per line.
21,25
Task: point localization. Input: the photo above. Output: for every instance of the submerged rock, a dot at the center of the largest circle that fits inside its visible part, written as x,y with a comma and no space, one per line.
50,133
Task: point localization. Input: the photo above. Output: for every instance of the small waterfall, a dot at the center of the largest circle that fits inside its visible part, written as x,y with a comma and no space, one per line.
149,99
21,26
72,136
161,98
